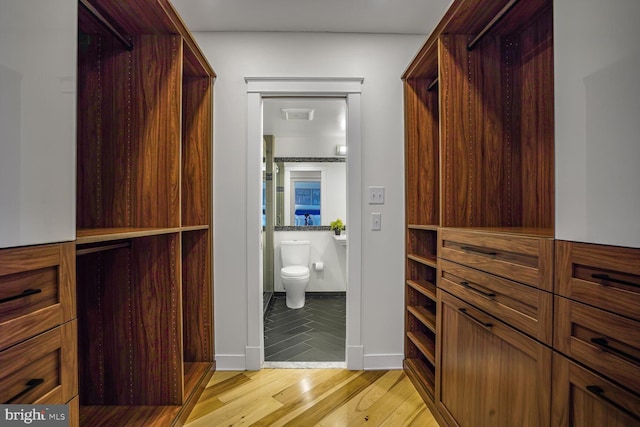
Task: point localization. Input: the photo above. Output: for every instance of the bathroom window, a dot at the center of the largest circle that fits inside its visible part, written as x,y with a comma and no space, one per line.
306,199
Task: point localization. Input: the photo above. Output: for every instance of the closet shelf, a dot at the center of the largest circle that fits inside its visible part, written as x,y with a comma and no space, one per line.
425,317
426,346
429,261
425,287
96,235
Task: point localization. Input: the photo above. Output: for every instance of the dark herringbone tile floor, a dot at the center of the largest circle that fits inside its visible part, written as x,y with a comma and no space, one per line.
313,333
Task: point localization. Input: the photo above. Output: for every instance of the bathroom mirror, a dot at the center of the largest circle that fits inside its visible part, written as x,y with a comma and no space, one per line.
309,191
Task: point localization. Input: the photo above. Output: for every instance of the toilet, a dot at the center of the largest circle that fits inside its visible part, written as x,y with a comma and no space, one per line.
295,270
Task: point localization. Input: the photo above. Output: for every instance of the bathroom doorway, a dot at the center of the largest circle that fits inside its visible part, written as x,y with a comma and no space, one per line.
259,89
304,191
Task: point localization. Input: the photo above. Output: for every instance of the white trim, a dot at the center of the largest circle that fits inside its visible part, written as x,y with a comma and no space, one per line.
349,88
383,361
308,86
230,362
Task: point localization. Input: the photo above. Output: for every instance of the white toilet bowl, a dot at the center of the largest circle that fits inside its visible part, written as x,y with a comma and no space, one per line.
295,270
295,280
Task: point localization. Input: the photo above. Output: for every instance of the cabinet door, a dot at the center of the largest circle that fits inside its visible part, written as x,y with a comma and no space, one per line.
490,374
37,121
584,399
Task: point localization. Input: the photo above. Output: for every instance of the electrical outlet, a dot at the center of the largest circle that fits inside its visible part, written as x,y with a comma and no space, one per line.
376,195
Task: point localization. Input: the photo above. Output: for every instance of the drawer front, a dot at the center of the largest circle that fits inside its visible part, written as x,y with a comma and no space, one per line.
41,370
525,308
490,374
582,398
605,342
603,276
524,259
36,290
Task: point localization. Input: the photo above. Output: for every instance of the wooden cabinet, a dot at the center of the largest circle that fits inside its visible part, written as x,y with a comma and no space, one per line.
479,158
490,374
583,398
597,319
38,327
145,320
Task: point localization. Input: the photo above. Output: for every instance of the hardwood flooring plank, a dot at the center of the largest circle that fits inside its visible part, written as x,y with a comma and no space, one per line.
308,399
363,401
397,396
318,380
320,410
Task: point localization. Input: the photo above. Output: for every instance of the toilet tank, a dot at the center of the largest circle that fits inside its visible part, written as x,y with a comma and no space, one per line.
295,252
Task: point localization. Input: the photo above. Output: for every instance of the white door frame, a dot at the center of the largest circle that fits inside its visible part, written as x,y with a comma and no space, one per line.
350,89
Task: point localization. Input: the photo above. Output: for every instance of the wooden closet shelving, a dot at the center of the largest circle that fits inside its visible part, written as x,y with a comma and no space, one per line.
479,158
143,214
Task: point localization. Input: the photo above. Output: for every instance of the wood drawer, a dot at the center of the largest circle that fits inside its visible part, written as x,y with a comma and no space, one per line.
603,276
41,370
37,290
582,398
525,308
523,258
605,342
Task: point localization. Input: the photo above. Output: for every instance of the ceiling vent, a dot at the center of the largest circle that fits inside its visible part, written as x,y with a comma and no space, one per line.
297,113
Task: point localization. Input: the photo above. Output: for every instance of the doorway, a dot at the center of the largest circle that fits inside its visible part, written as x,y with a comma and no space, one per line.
259,89
304,190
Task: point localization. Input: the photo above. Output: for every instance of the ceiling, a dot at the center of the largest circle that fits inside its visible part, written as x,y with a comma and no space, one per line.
329,117
342,16
337,16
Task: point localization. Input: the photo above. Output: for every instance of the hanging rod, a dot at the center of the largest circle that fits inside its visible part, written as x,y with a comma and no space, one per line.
102,248
433,84
506,9
106,24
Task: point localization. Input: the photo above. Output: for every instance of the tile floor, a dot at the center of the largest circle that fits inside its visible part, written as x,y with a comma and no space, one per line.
313,333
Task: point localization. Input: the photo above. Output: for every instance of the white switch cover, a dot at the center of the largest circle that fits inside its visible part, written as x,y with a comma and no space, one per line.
376,195
376,221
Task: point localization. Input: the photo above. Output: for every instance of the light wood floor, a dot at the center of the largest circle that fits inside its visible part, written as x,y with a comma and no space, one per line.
310,397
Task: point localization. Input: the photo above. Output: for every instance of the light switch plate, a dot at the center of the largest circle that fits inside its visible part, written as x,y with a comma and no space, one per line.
376,221
376,195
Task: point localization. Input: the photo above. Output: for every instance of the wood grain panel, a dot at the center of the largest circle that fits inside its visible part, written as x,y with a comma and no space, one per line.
574,405
497,128
525,308
50,357
535,132
524,259
578,325
196,151
487,369
47,270
155,363
129,133
197,297
576,265
421,153
130,347
155,138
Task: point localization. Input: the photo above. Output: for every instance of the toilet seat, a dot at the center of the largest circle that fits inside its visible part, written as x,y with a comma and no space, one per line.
294,271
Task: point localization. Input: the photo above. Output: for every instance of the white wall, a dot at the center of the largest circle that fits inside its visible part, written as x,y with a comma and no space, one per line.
323,248
38,41
380,60
597,107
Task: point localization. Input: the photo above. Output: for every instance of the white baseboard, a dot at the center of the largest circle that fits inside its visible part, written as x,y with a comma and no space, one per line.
230,362
383,361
